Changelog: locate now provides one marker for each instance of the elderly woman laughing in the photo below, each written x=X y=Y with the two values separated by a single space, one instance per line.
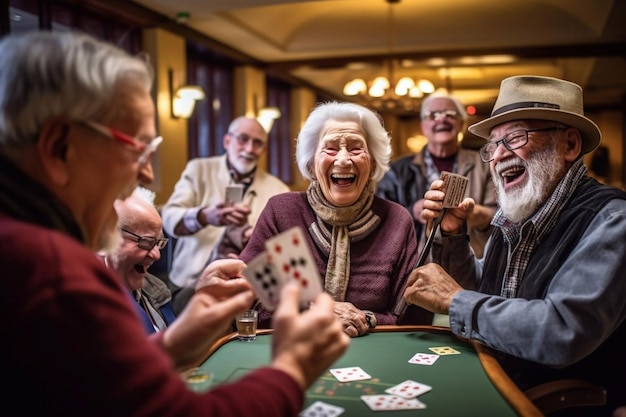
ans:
x=364 y=247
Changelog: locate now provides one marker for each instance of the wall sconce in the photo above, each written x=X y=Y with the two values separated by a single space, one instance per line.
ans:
x=183 y=99
x=266 y=117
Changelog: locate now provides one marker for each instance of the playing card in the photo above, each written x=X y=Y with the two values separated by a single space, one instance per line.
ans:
x=454 y=187
x=352 y=373
x=408 y=389
x=262 y=276
x=444 y=350
x=292 y=258
x=424 y=358
x=234 y=193
x=321 y=409
x=391 y=402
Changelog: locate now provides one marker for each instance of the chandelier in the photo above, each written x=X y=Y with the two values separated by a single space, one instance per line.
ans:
x=383 y=90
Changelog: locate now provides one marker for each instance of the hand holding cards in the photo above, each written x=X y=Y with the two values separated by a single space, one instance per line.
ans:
x=287 y=258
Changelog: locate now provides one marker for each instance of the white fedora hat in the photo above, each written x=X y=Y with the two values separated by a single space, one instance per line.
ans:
x=527 y=97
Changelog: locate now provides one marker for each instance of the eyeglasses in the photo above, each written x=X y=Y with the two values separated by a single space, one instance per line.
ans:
x=441 y=115
x=243 y=139
x=147 y=242
x=146 y=149
x=512 y=141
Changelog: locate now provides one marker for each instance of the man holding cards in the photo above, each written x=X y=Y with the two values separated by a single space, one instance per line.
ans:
x=549 y=293
x=206 y=209
x=443 y=119
x=73 y=343
x=363 y=247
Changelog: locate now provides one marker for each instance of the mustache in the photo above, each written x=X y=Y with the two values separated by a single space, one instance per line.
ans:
x=247 y=155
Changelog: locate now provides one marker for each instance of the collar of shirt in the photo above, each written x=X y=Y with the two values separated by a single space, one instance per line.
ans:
x=523 y=238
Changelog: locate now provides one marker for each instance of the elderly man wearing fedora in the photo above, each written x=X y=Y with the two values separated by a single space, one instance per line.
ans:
x=549 y=296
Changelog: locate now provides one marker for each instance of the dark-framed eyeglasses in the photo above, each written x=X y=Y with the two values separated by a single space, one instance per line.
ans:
x=243 y=139
x=147 y=242
x=512 y=141
x=441 y=115
x=145 y=150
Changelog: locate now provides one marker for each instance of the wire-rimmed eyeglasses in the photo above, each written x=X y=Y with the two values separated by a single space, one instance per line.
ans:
x=145 y=149
x=243 y=139
x=440 y=115
x=512 y=141
x=147 y=242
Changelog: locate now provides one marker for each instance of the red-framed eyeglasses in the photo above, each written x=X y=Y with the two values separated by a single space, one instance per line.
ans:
x=145 y=149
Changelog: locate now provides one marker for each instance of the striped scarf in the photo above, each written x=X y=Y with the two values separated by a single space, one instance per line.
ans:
x=333 y=231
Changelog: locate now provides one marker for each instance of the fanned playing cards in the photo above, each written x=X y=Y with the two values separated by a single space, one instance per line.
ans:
x=287 y=257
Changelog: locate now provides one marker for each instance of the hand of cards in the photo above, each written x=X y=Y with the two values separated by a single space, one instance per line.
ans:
x=287 y=257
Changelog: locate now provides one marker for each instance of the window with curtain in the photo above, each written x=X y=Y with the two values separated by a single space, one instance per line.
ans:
x=281 y=146
x=209 y=122
x=27 y=15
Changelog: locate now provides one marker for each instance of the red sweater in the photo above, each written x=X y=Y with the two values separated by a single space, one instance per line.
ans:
x=73 y=346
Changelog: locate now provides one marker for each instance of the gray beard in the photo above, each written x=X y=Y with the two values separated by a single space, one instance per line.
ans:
x=542 y=172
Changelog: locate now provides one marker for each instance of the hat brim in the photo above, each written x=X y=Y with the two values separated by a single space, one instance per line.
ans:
x=589 y=131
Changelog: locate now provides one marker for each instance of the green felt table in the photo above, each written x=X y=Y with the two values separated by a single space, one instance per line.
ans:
x=467 y=384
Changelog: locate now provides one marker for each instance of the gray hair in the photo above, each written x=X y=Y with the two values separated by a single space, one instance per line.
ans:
x=457 y=103
x=50 y=74
x=378 y=140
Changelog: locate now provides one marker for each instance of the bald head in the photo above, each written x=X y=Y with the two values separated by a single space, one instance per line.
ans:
x=138 y=218
x=137 y=209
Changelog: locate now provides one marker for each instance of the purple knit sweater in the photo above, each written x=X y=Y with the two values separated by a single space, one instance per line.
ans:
x=380 y=264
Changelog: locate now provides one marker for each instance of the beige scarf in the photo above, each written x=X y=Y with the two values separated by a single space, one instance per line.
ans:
x=333 y=231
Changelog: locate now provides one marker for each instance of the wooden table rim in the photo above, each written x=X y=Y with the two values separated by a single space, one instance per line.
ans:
x=507 y=388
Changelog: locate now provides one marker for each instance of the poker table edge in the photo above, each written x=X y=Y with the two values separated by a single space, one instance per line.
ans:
x=500 y=380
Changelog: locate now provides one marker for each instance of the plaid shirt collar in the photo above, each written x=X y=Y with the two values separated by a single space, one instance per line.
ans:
x=524 y=237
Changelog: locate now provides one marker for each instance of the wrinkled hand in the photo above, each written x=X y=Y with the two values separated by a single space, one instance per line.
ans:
x=203 y=321
x=305 y=345
x=455 y=218
x=430 y=287
x=353 y=320
x=221 y=214
x=219 y=278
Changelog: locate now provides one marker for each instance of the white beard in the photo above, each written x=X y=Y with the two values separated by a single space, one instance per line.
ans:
x=542 y=171
x=242 y=166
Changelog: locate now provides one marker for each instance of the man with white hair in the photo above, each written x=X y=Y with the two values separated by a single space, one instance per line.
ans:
x=142 y=240
x=442 y=120
x=77 y=132
x=548 y=295
x=198 y=213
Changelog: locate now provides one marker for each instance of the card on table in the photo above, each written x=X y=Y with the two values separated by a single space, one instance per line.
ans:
x=351 y=373
x=292 y=258
x=266 y=282
x=321 y=409
x=424 y=358
x=391 y=402
x=409 y=389
x=234 y=193
x=444 y=350
x=454 y=187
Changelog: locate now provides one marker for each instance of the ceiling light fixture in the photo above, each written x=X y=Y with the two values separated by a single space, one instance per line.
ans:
x=405 y=91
